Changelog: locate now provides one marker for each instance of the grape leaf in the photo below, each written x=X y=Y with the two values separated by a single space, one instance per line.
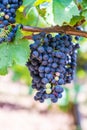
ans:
x=10 y=54
x=32 y=16
x=20 y=18
x=75 y=19
x=34 y=19
x=5 y=57
x=20 y=52
x=28 y=5
x=38 y=2
x=49 y=14
x=64 y=10
x=84 y=4
x=18 y=35
x=28 y=2
x=84 y=13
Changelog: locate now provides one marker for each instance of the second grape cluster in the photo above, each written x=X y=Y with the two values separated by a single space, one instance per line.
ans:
x=8 y=10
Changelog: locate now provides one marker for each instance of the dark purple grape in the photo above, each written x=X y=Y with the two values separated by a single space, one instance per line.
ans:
x=52 y=64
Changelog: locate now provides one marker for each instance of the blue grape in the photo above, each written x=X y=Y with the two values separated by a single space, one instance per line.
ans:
x=49 y=49
x=54 y=100
x=41 y=69
x=58 y=89
x=41 y=50
x=45 y=80
x=47 y=69
x=50 y=77
x=45 y=57
x=54 y=65
x=35 y=54
x=60 y=81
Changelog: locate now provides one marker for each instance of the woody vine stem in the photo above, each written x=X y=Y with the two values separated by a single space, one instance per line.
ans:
x=55 y=29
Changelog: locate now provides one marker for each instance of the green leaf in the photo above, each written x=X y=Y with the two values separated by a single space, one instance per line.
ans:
x=20 y=18
x=32 y=16
x=5 y=57
x=18 y=35
x=84 y=4
x=64 y=10
x=34 y=19
x=84 y=13
x=38 y=2
x=49 y=14
x=10 y=54
x=75 y=20
x=28 y=5
x=20 y=52
x=28 y=2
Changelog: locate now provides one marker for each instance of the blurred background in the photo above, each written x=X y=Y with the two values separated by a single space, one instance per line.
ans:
x=19 y=111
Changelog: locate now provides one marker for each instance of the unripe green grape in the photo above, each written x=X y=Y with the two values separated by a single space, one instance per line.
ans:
x=48 y=90
x=48 y=85
x=2 y=14
x=56 y=78
x=8 y=6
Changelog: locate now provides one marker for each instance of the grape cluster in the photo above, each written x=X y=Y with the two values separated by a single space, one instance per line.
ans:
x=52 y=63
x=7 y=17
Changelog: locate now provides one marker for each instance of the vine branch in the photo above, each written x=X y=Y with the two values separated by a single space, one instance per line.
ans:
x=55 y=29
